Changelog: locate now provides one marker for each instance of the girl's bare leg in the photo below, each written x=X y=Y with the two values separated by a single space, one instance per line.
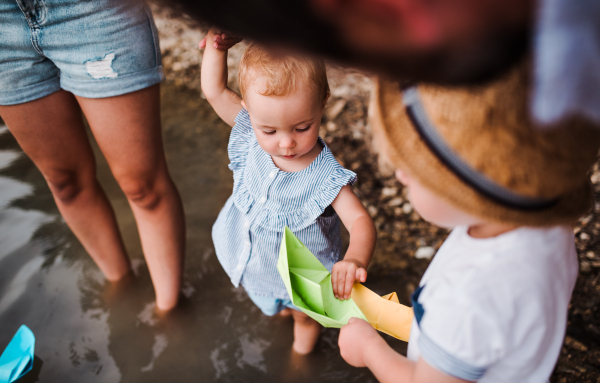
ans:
x=306 y=332
x=128 y=131
x=51 y=132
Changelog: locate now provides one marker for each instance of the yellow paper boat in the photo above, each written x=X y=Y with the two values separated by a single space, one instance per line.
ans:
x=385 y=314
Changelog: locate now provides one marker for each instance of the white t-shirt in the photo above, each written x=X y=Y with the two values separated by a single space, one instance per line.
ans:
x=495 y=309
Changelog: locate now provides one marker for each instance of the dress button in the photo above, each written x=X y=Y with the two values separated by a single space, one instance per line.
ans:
x=273 y=174
x=239 y=267
x=263 y=199
x=246 y=223
x=247 y=243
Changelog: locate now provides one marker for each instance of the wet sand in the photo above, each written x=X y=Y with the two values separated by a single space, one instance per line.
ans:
x=89 y=330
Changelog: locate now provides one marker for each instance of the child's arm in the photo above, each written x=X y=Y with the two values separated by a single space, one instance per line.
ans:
x=213 y=78
x=361 y=346
x=362 y=243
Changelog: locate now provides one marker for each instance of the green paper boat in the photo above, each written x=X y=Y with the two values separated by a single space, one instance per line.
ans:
x=309 y=285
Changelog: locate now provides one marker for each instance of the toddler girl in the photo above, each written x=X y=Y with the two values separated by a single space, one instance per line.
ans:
x=284 y=175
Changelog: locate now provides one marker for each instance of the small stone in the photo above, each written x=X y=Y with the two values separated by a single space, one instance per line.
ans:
x=425 y=252
x=407 y=208
x=572 y=343
x=585 y=267
x=584 y=236
x=395 y=202
x=336 y=109
x=372 y=210
x=403 y=264
x=388 y=192
x=397 y=211
x=357 y=134
x=596 y=177
x=585 y=220
x=331 y=126
x=590 y=255
x=343 y=91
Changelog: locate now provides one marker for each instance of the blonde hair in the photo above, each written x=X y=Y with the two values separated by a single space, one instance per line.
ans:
x=283 y=74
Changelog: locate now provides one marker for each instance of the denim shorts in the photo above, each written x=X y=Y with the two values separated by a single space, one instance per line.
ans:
x=271 y=306
x=94 y=49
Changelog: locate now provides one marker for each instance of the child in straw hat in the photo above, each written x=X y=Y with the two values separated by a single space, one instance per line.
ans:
x=492 y=306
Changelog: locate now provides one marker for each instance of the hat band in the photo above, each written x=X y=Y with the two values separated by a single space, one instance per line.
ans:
x=436 y=143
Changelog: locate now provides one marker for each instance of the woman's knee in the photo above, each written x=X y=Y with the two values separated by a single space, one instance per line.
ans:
x=144 y=192
x=68 y=185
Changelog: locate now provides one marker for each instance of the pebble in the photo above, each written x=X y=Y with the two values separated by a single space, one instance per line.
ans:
x=575 y=344
x=372 y=210
x=388 y=192
x=585 y=267
x=585 y=220
x=584 y=236
x=407 y=208
x=335 y=109
x=425 y=252
x=395 y=202
x=590 y=255
x=357 y=134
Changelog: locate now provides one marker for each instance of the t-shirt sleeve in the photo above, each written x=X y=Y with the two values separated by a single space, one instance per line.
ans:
x=239 y=140
x=460 y=337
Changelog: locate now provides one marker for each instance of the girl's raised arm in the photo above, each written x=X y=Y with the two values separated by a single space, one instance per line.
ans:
x=213 y=78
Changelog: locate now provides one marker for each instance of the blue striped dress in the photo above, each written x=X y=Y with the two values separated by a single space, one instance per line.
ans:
x=265 y=199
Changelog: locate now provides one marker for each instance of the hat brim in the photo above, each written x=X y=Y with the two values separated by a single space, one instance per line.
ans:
x=400 y=142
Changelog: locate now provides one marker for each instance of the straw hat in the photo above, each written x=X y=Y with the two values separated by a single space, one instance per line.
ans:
x=477 y=148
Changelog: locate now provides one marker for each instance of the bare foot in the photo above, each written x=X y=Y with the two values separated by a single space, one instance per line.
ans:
x=306 y=333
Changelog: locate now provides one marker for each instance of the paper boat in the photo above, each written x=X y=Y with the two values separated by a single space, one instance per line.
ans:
x=308 y=283
x=17 y=358
x=385 y=314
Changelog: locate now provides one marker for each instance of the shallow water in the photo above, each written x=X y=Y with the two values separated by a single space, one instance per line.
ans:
x=88 y=330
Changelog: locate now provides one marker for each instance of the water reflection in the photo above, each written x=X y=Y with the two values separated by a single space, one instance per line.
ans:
x=89 y=330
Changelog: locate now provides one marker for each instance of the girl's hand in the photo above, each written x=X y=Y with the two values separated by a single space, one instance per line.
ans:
x=221 y=40
x=343 y=276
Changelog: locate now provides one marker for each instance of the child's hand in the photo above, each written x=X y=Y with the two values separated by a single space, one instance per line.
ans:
x=343 y=276
x=355 y=339
x=221 y=40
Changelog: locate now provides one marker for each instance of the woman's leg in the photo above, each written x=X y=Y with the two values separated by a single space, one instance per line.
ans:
x=128 y=131
x=51 y=132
